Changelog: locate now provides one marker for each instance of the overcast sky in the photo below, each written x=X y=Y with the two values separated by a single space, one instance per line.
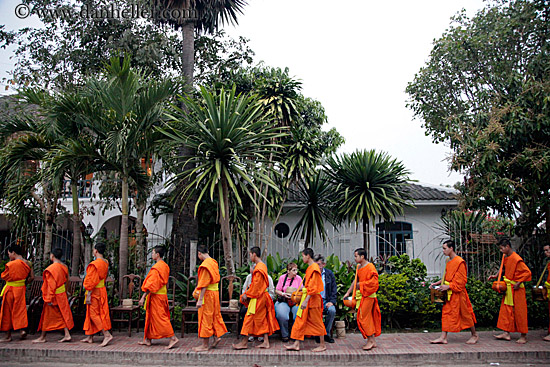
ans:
x=354 y=56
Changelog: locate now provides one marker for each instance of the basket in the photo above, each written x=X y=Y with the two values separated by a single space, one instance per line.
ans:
x=350 y=302
x=296 y=297
x=438 y=296
x=539 y=294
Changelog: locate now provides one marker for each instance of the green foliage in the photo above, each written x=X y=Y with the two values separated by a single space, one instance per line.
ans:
x=484 y=91
x=414 y=269
x=485 y=301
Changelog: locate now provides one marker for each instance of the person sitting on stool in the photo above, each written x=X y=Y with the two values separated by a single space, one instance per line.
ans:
x=329 y=297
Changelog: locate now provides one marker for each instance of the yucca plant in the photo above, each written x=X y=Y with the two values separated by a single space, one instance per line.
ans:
x=368 y=184
x=232 y=140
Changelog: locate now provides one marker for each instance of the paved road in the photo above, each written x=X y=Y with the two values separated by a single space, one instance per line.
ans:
x=503 y=364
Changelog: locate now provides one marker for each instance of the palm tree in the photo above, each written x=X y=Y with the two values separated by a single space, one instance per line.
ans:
x=232 y=140
x=125 y=109
x=316 y=201
x=368 y=184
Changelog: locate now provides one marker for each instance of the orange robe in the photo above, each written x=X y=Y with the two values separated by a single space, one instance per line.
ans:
x=311 y=321
x=97 y=313
x=263 y=320
x=157 y=317
x=13 y=314
x=210 y=317
x=369 y=319
x=458 y=313
x=514 y=318
x=58 y=315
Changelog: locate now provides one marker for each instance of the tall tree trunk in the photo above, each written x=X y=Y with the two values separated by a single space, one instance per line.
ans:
x=548 y=223
x=77 y=235
x=184 y=225
x=50 y=205
x=226 y=230
x=366 y=239
x=123 y=249
x=140 y=240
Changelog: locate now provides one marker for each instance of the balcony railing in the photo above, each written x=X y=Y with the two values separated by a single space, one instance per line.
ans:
x=84 y=189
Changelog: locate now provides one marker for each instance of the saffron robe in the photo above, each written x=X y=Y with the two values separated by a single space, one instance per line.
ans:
x=97 y=313
x=311 y=321
x=157 y=317
x=58 y=315
x=263 y=320
x=458 y=313
x=13 y=314
x=514 y=318
x=210 y=317
x=369 y=319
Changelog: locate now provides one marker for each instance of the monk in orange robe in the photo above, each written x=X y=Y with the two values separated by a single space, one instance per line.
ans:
x=56 y=313
x=369 y=319
x=458 y=313
x=547 y=286
x=155 y=299
x=13 y=314
x=513 y=308
x=97 y=304
x=260 y=316
x=309 y=319
x=210 y=317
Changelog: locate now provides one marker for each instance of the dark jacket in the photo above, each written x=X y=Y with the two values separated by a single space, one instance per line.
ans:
x=330 y=287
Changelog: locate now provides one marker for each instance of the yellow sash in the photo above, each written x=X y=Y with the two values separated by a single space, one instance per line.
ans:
x=509 y=298
x=358 y=297
x=449 y=291
x=101 y=284
x=212 y=287
x=160 y=291
x=304 y=295
x=547 y=285
x=251 y=305
x=61 y=290
x=15 y=283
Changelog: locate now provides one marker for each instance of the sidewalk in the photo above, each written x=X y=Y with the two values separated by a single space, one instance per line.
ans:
x=410 y=348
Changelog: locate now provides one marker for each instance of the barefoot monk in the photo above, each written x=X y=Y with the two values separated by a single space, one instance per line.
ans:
x=458 y=313
x=513 y=308
x=155 y=301
x=56 y=313
x=260 y=316
x=97 y=304
x=13 y=314
x=369 y=319
x=309 y=318
x=210 y=317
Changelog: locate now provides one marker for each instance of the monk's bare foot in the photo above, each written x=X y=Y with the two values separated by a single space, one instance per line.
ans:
x=546 y=338
x=5 y=340
x=522 y=340
x=146 y=342
x=369 y=346
x=65 y=339
x=319 y=349
x=106 y=340
x=87 y=339
x=264 y=345
x=173 y=341
x=39 y=340
x=200 y=349
x=473 y=339
x=216 y=342
x=241 y=345
x=292 y=347
x=503 y=336
x=439 y=341
x=23 y=335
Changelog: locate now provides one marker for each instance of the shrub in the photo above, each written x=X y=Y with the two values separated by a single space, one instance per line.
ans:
x=485 y=302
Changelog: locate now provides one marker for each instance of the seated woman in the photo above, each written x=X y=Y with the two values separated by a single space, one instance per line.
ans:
x=284 y=305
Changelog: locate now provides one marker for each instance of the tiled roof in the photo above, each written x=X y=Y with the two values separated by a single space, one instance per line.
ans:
x=430 y=192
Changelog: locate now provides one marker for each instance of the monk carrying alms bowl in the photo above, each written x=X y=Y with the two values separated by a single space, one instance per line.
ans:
x=538 y=294
x=499 y=286
x=437 y=295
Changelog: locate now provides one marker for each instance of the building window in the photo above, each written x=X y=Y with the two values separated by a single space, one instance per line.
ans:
x=282 y=230
x=391 y=238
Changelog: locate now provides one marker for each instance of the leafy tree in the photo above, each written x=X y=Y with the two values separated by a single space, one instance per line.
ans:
x=484 y=91
x=367 y=185
x=233 y=141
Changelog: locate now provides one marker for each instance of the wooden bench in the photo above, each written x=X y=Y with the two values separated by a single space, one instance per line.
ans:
x=34 y=303
x=191 y=304
x=230 y=286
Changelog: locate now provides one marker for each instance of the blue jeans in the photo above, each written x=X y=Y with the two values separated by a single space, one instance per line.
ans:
x=330 y=313
x=282 y=313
